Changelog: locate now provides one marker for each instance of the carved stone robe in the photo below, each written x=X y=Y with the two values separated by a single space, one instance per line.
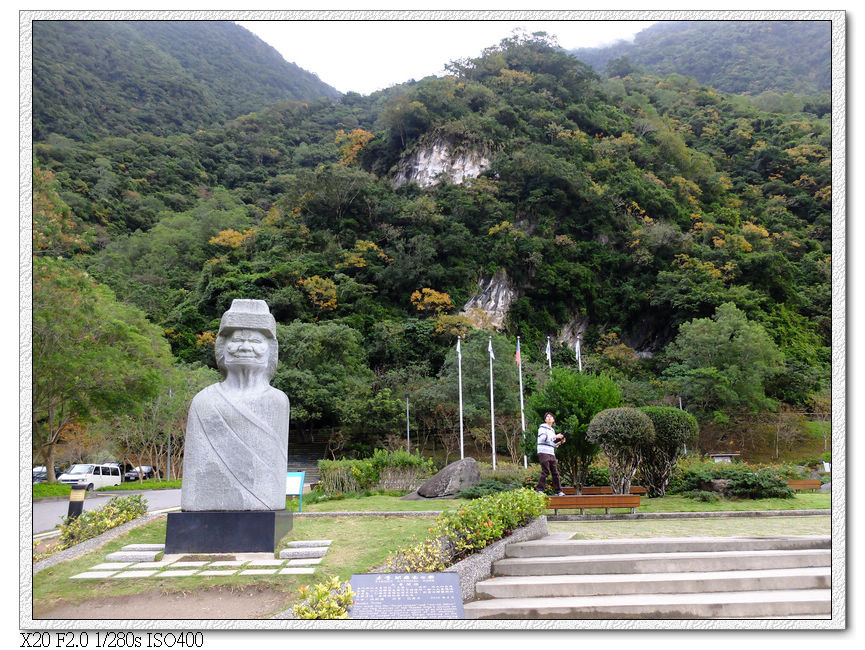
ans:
x=236 y=451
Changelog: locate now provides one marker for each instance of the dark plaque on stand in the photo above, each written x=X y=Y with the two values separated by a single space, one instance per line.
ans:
x=398 y=596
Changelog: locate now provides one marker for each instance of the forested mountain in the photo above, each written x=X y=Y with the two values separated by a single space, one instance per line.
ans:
x=95 y=79
x=622 y=208
x=736 y=56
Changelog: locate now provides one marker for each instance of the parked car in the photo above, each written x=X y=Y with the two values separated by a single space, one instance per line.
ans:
x=92 y=476
x=144 y=471
x=40 y=473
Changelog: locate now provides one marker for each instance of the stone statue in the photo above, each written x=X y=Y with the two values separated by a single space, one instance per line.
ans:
x=236 y=450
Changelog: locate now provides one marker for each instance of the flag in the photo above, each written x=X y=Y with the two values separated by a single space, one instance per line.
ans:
x=490 y=348
x=579 y=355
x=459 y=351
x=549 y=353
x=517 y=357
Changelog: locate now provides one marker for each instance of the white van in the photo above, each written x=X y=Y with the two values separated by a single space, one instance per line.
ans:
x=91 y=476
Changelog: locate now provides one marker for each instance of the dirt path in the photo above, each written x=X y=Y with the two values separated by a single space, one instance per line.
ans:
x=217 y=603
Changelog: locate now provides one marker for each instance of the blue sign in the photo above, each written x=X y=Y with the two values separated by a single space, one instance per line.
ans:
x=397 y=596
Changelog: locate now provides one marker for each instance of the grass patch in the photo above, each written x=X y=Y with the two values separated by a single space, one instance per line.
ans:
x=727 y=527
x=359 y=544
x=673 y=503
x=375 y=503
x=147 y=484
x=386 y=503
x=61 y=489
x=50 y=490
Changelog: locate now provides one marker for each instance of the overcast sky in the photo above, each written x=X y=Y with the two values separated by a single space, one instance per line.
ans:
x=365 y=56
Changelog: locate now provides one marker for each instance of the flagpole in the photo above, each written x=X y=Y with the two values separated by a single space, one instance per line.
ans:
x=492 y=405
x=460 y=373
x=579 y=354
x=522 y=405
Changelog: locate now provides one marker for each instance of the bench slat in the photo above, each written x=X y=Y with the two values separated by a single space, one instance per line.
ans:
x=584 y=501
x=804 y=484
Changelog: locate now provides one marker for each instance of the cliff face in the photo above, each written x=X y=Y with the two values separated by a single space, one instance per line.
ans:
x=490 y=305
x=573 y=328
x=425 y=164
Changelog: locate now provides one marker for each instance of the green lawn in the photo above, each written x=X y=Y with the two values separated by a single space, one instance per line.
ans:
x=672 y=503
x=374 y=503
x=359 y=544
x=147 y=484
x=384 y=503
x=61 y=489
x=724 y=527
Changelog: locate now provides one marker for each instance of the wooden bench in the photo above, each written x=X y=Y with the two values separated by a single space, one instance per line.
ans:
x=605 y=501
x=808 y=484
x=602 y=489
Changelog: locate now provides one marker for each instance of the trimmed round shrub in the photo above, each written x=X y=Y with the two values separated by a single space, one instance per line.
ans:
x=673 y=428
x=621 y=433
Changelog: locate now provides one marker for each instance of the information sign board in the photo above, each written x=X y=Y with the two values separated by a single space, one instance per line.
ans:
x=398 y=596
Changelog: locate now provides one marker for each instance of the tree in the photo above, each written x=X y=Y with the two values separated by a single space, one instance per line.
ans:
x=92 y=355
x=723 y=362
x=673 y=428
x=322 y=368
x=622 y=433
x=55 y=230
x=573 y=398
x=476 y=378
x=155 y=436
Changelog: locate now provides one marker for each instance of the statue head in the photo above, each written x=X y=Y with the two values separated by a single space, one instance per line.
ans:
x=247 y=333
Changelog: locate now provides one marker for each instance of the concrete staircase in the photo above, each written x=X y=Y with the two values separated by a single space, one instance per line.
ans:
x=304 y=457
x=660 y=578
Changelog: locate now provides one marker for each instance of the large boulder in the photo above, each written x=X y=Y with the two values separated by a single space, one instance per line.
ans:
x=457 y=476
x=720 y=485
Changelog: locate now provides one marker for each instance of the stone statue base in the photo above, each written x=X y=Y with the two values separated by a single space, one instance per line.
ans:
x=252 y=531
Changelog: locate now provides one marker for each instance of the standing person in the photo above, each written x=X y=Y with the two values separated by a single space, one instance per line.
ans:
x=548 y=440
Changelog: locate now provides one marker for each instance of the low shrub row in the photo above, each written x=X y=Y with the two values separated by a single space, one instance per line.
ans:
x=91 y=523
x=397 y=470
x=459 y=533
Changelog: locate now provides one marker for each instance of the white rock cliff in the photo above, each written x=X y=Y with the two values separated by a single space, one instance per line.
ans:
x=424 y=165
x=490 y=305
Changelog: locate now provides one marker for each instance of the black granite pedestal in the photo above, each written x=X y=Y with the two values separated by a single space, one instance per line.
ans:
x=256 y=531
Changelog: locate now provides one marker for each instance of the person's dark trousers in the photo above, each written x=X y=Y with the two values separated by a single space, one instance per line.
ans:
x=549 y=466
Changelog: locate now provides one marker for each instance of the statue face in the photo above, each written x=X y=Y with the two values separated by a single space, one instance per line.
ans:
x=247 y=348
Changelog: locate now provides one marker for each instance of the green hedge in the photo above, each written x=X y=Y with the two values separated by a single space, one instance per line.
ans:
x=457 y=534
x=746 y=481
x=354 y=476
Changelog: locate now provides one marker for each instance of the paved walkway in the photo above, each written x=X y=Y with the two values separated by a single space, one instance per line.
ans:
x=139 y=561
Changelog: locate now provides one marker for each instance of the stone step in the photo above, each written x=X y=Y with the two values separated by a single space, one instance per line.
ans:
x=747 y=604
x=555 y=546
x=303 y=552
x=654 y=583
x=132 y=556
x=661 y=562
